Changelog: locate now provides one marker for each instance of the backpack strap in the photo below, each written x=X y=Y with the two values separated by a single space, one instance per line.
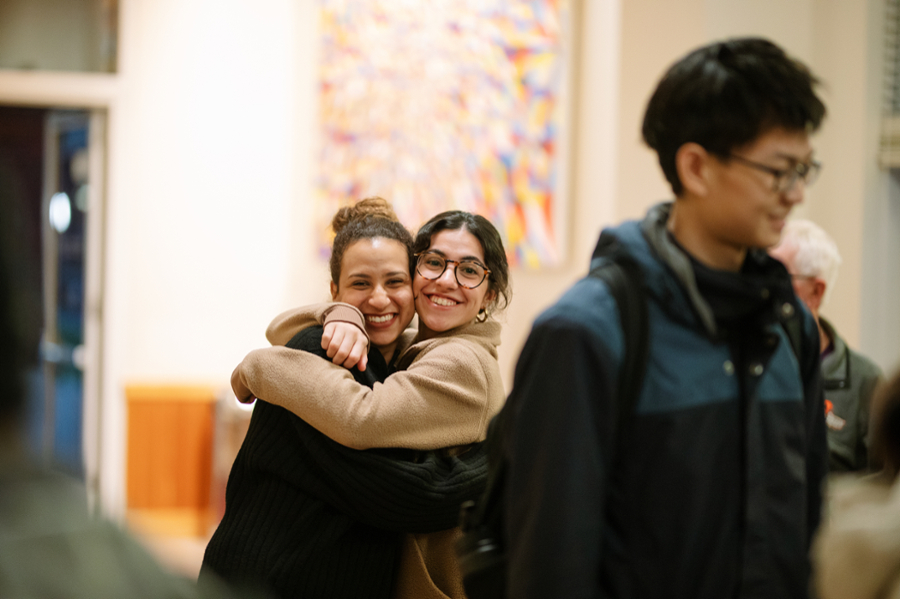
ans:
x=474 y=514
x=623 y=278
x=480 y=549
x=793 y=326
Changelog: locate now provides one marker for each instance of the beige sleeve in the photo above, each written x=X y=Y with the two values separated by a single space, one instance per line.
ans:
x=287 y=324
x=856 y=550
x=441 y=400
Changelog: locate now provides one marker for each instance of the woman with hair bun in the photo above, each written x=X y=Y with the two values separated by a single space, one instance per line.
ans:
x=306 y=516
x=447 y=388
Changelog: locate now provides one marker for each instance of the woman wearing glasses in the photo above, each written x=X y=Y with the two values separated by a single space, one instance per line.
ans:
x=449 y=385
x=377 y=566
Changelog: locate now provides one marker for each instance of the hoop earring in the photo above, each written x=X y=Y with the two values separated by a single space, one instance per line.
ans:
x=481 y=316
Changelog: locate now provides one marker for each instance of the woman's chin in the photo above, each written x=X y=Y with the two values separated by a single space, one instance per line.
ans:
x=441 y=325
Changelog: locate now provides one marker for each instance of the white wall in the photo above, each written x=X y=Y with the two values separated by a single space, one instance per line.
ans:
x=209 y=101
x=655 y=33
x=202 y=180
x=879 y=315
x=880 y=251
x=838 y=202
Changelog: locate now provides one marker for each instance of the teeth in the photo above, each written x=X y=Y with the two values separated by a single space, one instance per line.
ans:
x=379 y=319
x=442 y=301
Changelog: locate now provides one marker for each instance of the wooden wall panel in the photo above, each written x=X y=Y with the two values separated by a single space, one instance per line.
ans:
x=170 y=446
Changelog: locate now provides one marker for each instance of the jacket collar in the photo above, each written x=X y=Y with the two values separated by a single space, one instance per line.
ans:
x=654 y=229
x=836 y=365
x=760 y=274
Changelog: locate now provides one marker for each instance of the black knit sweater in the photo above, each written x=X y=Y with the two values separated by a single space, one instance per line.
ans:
x=308 y=517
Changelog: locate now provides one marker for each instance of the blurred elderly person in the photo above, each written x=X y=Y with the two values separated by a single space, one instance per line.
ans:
x=857 y=552
x=812 y=259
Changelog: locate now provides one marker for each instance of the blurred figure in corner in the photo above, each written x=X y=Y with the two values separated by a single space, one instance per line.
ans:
x=857 y=553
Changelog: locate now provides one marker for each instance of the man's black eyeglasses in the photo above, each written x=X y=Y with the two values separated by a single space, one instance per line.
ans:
x=785 y=178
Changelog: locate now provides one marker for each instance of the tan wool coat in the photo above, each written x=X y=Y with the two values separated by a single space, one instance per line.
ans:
x=447 y=390
x=856 y=554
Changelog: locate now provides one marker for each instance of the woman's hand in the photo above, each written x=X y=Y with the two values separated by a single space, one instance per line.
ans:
x=346 y=345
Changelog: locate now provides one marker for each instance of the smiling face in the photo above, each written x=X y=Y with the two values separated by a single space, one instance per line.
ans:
x=730 y=205
x=442 y=304
x=375 y=278
x=745 y=211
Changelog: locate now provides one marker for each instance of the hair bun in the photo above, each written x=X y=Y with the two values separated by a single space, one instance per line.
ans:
x=374 y=207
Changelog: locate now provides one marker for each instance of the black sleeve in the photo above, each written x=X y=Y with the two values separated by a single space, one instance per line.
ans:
x=382 y=491
x=556 y=442
x=394 y=494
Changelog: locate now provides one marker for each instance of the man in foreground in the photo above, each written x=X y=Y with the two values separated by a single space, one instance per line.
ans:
x=714 y=488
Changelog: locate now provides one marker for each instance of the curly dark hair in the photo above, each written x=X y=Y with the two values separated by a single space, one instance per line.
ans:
x=366 y=219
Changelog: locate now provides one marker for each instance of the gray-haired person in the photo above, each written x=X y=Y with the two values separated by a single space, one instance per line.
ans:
x=812 y=259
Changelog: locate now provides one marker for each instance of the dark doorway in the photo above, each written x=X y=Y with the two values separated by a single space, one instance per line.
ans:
x=43 y=159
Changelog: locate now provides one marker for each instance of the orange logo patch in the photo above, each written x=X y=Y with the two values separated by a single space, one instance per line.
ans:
x=832 y=420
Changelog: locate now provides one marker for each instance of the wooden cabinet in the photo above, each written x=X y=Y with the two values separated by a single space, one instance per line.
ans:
x=170 y=457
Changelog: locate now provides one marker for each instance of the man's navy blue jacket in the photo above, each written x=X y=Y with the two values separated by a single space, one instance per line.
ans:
x=718 y=487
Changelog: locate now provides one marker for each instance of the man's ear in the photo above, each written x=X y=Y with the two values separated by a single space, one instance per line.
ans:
x=334 y=292
x=691 y=162
x=818 y=294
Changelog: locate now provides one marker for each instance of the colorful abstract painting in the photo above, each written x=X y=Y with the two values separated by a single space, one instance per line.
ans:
x=447 y=104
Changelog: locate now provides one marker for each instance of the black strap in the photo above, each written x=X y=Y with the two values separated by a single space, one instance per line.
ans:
x=793 y=326
x=474 y=514
x=623 y=278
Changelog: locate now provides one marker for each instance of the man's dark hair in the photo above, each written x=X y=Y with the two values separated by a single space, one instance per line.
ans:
x=725 y=95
